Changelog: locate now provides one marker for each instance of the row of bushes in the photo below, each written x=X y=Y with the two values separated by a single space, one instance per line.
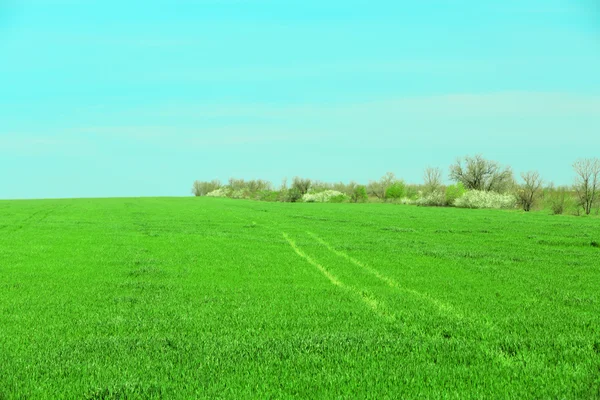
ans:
x=556 y=200
x=480 y=183
x=454 y=195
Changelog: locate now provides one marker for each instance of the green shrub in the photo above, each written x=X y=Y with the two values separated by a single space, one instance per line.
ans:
x=268 y=195
x=359 y=194
x=560 y=200
x=454 y=192
x=411 y=192
x=293 y=195
x=340 y=198
x=395 y=191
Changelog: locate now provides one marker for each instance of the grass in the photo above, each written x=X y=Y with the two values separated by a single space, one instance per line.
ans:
x=196 y=297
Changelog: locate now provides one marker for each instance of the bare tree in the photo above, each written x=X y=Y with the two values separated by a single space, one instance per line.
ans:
x=378 y=188
x=530 y=190
x=477 y=173
x=319 y=186
x=256 y=185
x=301 y=184
x=388 y=179
x=203 y=188
x=347 y=189
x=433 y=180
x=197 y=188
x=283 y=190
x=237 y=184
x=587 y=182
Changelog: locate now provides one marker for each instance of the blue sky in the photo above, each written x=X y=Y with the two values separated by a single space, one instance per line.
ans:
x=113 y=98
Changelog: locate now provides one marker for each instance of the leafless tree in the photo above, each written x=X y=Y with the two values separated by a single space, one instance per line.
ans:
x=587 y=182
x=301 y=184
x=203 y=188
x=433 y=180
x=256 y=185
x=477 y=173
x=346 y=188
x=319 y=186
x=237 y=184
x=378 y=188
x=530 y=190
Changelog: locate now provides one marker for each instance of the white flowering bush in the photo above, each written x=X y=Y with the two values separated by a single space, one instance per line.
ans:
x=327 y=196
x=435 y=199
x=222 y=192
x=238 y=194
x=481 y=199
x=407 y=200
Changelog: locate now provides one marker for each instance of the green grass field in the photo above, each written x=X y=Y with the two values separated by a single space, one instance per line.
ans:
x=196 y=297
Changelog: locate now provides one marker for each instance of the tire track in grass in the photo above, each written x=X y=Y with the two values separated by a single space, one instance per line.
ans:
x=368 y=299
x=498 y=356
x=30 y=219
x=443 y=307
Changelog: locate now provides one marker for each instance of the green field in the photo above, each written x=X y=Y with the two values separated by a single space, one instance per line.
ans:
x=197 y=297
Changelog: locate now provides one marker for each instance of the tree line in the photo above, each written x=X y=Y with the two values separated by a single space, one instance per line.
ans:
x=476 y=180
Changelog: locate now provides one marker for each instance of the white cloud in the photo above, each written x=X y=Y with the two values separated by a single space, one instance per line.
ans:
x=515 y=115
x=516 y=104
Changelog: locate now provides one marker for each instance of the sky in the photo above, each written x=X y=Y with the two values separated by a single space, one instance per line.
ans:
x=140 y=98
